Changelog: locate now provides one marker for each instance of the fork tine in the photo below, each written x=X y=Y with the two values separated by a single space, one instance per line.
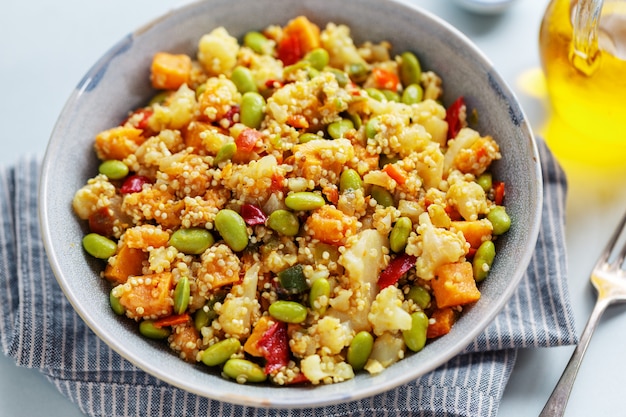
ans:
x=604 y=257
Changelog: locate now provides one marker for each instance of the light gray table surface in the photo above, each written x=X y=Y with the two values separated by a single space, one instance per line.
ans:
x=46 y=48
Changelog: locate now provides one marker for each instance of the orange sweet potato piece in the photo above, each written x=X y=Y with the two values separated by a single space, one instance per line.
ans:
x=307 y=33
x=127 y=262
x=142 y=237
x=330 y=225
x=118 y=142
x=475 y=232
x=148 y=296
x=170 y=71
x=454 y=285
x=441 y=322
x=259 y=330
x=185 y=339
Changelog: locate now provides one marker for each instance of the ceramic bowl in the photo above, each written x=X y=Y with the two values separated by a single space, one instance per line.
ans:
x=118 y=82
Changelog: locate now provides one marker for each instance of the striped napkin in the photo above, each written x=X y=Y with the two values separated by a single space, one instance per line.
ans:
x=39 y=329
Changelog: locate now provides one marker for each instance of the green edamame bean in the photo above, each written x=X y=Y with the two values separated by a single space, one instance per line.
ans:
x=415 y=337
x=499 y=219
x=113 y=169
x=360 y=350
x=232 y=227
x=159 y=98
x=391 y=95
x=243 y=371
x=304 y=200
x=342 y=78
x=483 y=258
x=413 y=94
x=338 y=129
x=308 y=137
x=257 y=42
x=181 y=295
x=293 y=280
x=375 y=93
x=148 y=329
x=485 y=181
x=399 y=236
x=357 y=72
x=318 y=58
x=226 y=152
x=371 y=127
x=220 y=352
x=382 y=196
x=284 y=222
x=356 y=120
x=243 y=79
x=202 y=318
x=385 y=159
x=116 y=306
x=319 y=295
x=410 y=69
x=252 y=109
x=288 y=311
x=192 y=241
x=99 y=246
x=420 y=296
x=350 y=180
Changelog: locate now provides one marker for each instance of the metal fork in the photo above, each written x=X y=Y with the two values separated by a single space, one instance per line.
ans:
x=609 y=279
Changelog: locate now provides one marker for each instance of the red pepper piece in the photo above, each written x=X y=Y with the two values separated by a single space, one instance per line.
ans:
x=247 y=139
x=498 y=192
x=275 y=347
x=101 y=221
x=172 y=320
x=396 y=268
x=289 y=50
x=385 y=79
x=452 y=117
x=229 y=116
x=142 y=122
x=134 y=184
x=252 y=214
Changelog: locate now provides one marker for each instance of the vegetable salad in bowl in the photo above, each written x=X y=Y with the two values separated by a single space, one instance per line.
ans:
x=292 y=207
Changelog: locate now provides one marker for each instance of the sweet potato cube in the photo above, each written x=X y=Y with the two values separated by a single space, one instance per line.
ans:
x=170 y=71
x=145 y=236
x=127 y=262
x=148 y=296
x=258 y=331
x=475 y=232
x=307 y=33
x=118 y=142
x=454 y=285
x=441 y=322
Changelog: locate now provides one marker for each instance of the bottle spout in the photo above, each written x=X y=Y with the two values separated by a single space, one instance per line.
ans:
x=584 y=51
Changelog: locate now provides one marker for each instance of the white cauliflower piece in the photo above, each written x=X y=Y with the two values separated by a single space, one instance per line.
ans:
x=430 y=165
x=333 y=336
x=325 y=369
x=468 y=198
x=217 y=52
x=340 y=46
x=464 y=140
x=97 y=193
x=387 y=314
x=432 y=116
x=387 y=350
x=240 y=306
x=177 y=111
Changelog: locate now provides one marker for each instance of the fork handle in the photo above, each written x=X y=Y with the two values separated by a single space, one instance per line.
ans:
x=556 y=404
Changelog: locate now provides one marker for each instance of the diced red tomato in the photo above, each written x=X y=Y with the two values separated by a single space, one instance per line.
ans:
x=230 y=115
x=275 y=347
x=134 y=184
x=498 y=192
x=247 y=139
x=396 y=268
x=453 y=118
x=289 y=50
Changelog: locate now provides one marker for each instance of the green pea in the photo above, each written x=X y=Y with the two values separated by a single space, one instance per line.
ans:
x=148 y=329
x=220 y=352
x=382 y=196
x=499 y=219
x=360 y=350
x=257 y=42
x=413 y=94
x=350 y=180
x=483 y=258
x=371 y=127
x=243 y=79
x=113 y=169
x=288 y=311
x=116 y=306
x=226 y=152
x=319 y=295
x=99 y=246
x=376 y=94
x=399 y=236
x=391 y=95
x=318 y=58
x=357 y=72
x=338 y=129
x=410 y=69
x=232 y=227
x=181 y=295
x=243 y=371
x=415 y=337
x=284 y=222
x=308 y=137
x=342 y=78
x=420 y=296
x=252 y=109
x=485 y=181
x=192 y=241
x=304 y=200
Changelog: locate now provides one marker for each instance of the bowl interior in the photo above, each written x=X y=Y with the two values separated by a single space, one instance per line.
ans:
x=119 y=82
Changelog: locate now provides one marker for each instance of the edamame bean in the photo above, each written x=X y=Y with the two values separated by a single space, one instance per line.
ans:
x=485 y=181
x=113 y=169
x=356 y=120
x=304 y=200
x=410 y=69
x=375 y=93
x=181 y=295
x=415 y=337
x=357 y=72
x=371 y=127
x=243 y=79
x=288 y=311
x=252 y=109
x=319 y=295
x=293 y=280
x=99 y=246
x=318 y=58
x=192 y=241
x=226 y=152
x=413 y=94
x=382 y=196
x=499 y=219
x=342 y=78
x=399 y=236
x=257 y=42
x=116 y=306
x=202 y=318
x=338 y=129
x=284 y=222
x=360 y=350
x=232 y=227
x=243 y=371
x=148 y=329
x=350 y=180
x=391 y=95
x=220 y=352
x=308 y=137
x=483 y=258
x=420 y=296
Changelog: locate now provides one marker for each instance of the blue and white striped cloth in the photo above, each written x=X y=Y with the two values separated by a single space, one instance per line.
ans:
x=39 y=329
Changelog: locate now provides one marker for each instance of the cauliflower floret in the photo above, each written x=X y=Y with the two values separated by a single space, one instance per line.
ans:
x=432 y=116
x=217 y=52
x=429 y=164
x=333 y=336
x=387 y=314
x=325 y=369
x=434 y=247
x=252 y=182
x=340 y=46
x=97 y=193
x=387 y=350
x=176 y=112
x=468 y=198
x=218 y=97
x=396 y=136
x=240 y=306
